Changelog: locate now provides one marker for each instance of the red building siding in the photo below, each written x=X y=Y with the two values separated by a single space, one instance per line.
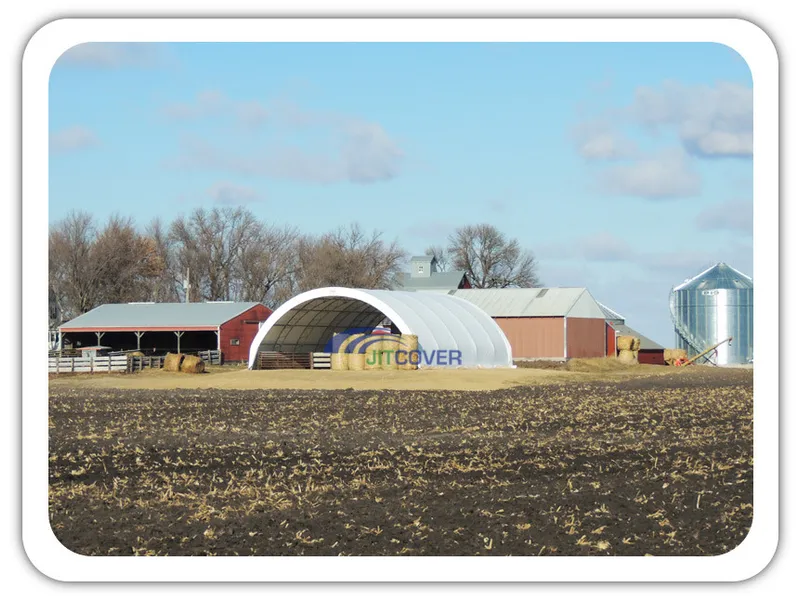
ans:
x=651 y=357
x=243 y=328
x=610 y=340
x=533 y=337
x=585 y=338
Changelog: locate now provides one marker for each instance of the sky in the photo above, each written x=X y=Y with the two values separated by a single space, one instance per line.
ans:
x=625 y=168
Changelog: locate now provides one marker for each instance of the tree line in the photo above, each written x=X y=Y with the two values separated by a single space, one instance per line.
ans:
x=229 y=254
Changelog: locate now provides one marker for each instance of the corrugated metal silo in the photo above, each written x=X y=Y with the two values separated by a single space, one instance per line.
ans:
x=711 y=307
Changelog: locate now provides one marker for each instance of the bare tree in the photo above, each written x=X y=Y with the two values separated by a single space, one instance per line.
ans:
x=209 y=244
x=348 y=257
x=126 y=262
x=441 y=256
x=89 y=267
x=265 y=267
x=167 y=285
x=490 y=259
x=73 y=273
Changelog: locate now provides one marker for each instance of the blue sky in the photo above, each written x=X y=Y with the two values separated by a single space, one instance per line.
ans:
x=624 y=168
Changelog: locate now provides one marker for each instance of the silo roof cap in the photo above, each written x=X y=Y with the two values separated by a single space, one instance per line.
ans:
x=720 y=276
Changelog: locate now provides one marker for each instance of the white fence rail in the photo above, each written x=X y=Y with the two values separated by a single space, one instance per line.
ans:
x=96 y=364
x=320 y=360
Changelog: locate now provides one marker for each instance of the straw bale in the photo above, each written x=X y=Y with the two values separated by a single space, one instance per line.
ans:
x=374 y=356
x=172 y=361
x=192 y=364
x=357 y=362
x=627 y=357
x=409 y=343
x=624 y=342
x=390 y=346
x=345 y=345
x=636 y=344
x=339 y=361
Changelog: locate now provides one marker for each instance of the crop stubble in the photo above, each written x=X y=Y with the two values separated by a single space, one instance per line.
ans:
x=651 y=465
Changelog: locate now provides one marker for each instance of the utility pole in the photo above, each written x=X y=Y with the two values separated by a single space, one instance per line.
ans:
x=187 y=285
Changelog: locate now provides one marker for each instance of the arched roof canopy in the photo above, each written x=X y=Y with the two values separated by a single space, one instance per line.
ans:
x=307 y=322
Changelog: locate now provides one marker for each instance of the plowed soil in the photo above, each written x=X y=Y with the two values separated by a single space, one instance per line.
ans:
x=653 y=464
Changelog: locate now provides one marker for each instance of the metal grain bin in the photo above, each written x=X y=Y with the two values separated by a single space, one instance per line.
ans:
x=710 y=307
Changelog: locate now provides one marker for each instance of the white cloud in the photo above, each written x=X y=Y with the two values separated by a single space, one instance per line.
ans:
x=72 y=138
x=349 y=148
x=734 y=215
x=228 y=193
x=711 y=121
x=598 y=140
x=115 y=55
x=667 y=175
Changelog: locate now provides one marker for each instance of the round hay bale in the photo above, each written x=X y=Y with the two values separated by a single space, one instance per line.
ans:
x=339 y=361
x=172 y=362
x=349 y=340
x=624 y=342
x=667 y=355
x=357 y=362
x=137 y=353
x=374 y=356
x=409 y=344
x=635 y=353
x=679 y=353
x=627 y=357
x=192 y=364
x=390 y=346
x=636 y=344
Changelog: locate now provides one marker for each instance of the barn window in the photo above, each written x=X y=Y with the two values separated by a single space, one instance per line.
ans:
x=234 y=341
x=420 y=269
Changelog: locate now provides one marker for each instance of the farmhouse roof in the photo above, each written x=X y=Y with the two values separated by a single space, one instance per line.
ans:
x=168 y=315
x=534 y=302
x=448 y=280
x=646 y=343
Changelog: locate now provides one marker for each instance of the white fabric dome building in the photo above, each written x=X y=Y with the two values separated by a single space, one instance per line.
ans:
x=308 y=322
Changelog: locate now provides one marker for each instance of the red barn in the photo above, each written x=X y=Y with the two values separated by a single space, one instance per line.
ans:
x=544 y=323
x=169 y=327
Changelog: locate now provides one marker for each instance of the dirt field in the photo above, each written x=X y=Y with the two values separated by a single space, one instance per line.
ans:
x=649 y=461
x=239 y=378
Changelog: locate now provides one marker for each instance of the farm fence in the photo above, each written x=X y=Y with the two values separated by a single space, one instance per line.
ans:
x=89 y=364
x=211 y=357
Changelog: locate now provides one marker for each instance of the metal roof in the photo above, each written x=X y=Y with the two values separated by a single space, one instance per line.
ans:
x=449 y=280
x=159 y=315
x=646 y=343
x=720 y=276
x=425 y=258
x=533 y=302
x=307 y=322
x=610 y=314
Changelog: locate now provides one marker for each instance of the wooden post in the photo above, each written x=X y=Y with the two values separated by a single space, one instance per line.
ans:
x=180 y=335
x=91 y=364
x=138 y=339
x=73 y=363
x=99 y=335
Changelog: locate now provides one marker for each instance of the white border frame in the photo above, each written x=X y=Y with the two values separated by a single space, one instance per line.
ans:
x=55 y=561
